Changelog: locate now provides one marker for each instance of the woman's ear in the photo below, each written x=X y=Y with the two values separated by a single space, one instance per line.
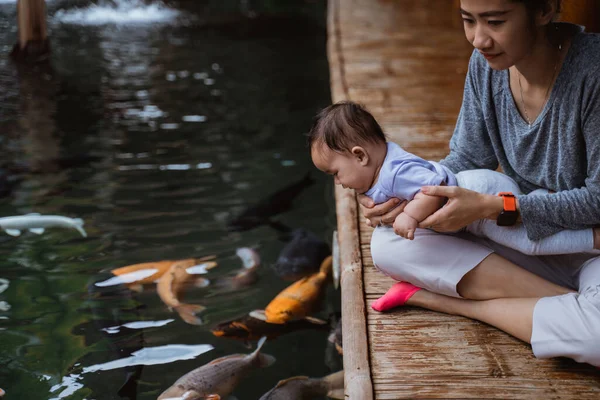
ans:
x=547 y=14
x=361 y=155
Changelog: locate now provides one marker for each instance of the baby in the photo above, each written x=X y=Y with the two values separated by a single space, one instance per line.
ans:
x=348 y=143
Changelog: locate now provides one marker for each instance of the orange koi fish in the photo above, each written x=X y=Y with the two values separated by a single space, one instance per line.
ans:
x=299 y=299
x=171 y=284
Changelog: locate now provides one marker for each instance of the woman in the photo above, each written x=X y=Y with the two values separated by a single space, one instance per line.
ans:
x=531 y=105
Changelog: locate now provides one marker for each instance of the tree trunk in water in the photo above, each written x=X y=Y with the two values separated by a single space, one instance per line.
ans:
x=33 y=42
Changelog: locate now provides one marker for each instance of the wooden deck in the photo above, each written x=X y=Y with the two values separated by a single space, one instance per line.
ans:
x=407 y=63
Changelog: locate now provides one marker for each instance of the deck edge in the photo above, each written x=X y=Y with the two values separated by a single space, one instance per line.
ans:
x=357 y=372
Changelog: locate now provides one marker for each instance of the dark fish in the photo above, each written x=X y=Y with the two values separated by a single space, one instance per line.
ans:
x=218 y=377
x=302 y=256
x=276 y=203
x=305 y=388
x=253 y=326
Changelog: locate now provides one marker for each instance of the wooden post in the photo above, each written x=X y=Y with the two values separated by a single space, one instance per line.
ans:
x=33 y=37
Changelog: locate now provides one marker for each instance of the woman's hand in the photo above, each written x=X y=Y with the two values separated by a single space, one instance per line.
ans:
x=380 y=214
x=463 y=207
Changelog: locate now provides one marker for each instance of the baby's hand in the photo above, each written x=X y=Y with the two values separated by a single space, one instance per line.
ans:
x=405 y=226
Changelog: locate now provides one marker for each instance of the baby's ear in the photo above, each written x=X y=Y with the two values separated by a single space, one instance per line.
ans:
x=361 y=155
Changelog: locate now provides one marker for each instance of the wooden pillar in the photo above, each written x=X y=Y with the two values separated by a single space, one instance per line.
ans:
x=33 y=42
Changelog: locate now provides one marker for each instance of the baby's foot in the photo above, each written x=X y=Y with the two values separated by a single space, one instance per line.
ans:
x=396 y=296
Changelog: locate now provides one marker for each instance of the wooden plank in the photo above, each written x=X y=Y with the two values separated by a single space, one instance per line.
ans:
x=406 y=60
x=357 y=376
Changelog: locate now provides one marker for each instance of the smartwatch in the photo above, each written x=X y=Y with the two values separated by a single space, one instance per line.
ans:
x=509 y=214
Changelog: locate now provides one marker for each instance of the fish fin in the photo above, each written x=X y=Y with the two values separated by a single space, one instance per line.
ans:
x=260 y=344
x=205 y=258
x=201 y=282
x=258 y=314
x=188 y=312
x=13 y=232
x=247 y=344
x=136 y=287
x=212 y=397
x=336 y=267
x=191 y=395
x=335 y=382
x=37 y=231
x=336 y=394
x=266 y=360
x=331 y=338
x=81 y=230
x=326 y=266
x=201 y=268
x=316 y=321
x=293 y=378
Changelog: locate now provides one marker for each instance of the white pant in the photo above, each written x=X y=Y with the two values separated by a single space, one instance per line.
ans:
x=567 y=325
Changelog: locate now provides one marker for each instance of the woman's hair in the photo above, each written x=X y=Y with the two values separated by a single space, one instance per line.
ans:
x=343 y=125
x=539 y=5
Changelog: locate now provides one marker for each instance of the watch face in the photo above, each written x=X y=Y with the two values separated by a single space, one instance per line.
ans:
x=507 y=218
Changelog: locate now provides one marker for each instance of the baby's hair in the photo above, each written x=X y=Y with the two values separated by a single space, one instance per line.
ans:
x=343 y=125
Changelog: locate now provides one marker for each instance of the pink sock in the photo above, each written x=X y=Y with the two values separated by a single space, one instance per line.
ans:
x=396 y=296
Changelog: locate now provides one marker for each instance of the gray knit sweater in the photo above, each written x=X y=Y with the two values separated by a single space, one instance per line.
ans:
x=561 y=150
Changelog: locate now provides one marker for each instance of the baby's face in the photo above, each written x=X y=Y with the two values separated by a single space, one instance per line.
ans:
x=346 y=168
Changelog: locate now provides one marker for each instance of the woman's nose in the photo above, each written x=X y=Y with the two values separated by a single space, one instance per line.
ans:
x=481 y=39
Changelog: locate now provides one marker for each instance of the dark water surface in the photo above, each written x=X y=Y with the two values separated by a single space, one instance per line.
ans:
x=155 y=130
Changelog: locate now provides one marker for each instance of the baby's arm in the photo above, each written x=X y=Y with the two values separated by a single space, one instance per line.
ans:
x=419 y=208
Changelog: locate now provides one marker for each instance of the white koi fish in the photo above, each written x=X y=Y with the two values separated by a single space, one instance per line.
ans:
x=37 y=223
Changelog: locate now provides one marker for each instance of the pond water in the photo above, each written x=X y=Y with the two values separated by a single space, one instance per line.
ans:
x=155 y=123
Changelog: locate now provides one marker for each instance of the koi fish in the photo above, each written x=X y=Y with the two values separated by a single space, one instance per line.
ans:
x=37 y=223
x=219 y=377
x=299 y=299
x=304 y=388
x=171 y=284
x=137 y=275
x=250 y=263
x=301 y=256
x=276 y=203
x=2 y=392
x=253 y=326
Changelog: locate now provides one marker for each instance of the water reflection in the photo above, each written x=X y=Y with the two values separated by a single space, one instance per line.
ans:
x=156 y=134
x=148 y=356
x=138 y=325
x=118 y=12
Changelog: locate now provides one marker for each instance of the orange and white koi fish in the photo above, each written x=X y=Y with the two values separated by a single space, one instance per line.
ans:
x=136 y=275
x=219 y=377
x=171 y=284
x=299 y=299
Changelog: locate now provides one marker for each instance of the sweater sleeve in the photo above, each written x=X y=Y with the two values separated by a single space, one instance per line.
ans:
x=470 y=145
x=578 y=208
